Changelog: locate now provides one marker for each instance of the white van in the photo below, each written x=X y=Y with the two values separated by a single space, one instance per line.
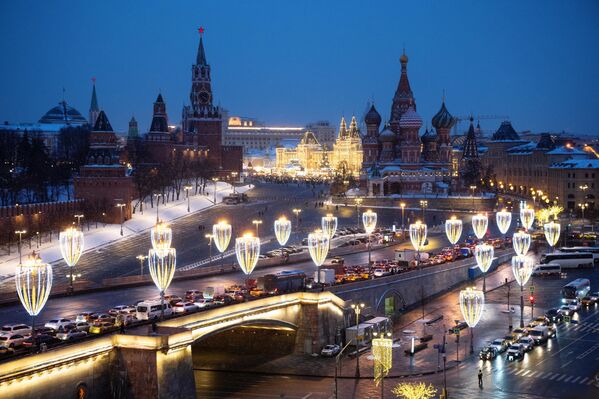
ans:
x=547 y=270
x=148 y=310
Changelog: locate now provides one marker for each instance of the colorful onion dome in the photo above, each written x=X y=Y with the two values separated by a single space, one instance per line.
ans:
x=443 y=119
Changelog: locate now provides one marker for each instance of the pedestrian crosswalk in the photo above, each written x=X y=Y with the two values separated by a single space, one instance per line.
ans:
x=584 y=327
x=548 y=376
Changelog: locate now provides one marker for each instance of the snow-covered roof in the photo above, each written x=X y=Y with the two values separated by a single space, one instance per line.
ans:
x=577 y=164
x=563 y=150
x=523 y=148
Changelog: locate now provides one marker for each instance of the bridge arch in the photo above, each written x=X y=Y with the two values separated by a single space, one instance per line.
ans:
x=250 y=323
x=397 y=299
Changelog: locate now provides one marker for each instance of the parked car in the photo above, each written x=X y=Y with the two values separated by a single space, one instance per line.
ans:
x=86 y=316
x=515 y=351
x=11 y=340
x=594 y=296
x=121 y=309
x=500 y=344
x=57 y=324
x=22 y=329
x=488 y=353
x=71 y=334
x=185 y=307
x=381 y=272
x=554 y=316
x=100 y=327
x=330 y=350
x=173 y=299
x=190 y=294
x=82 y=326
x=527 y=343
x=518 y=333
x=103 y=317
x=39 y=339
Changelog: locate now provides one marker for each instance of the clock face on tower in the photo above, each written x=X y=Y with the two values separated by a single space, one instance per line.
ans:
x=204 y=98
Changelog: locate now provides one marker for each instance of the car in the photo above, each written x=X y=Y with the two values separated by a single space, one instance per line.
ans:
x=103 y=317
x=85 y=316
x=11 y=340
x=594 y=296
x=566 y=310
x=509 y=339
x=587 y=301
x=527 y=343
x=172 y=299
x=554 y=316
x=190 y=294
x=381 y=272
x=500 y=344
x=185 y=307
x=22 y=329
x=71 y=334
x=575 y=306
x=518 y=333
x=82 y=326
x=488 y=353
x=330 y=350
x=121 y=309
x=45 y=330
x=515 y=351
x=100 y=327
x=39 y=339
x=57 y=324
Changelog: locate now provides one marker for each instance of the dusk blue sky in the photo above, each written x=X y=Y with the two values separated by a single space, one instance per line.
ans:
x=295 y=62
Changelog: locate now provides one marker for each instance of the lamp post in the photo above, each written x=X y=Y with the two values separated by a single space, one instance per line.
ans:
x=582 y=208
x=141 y=259
x=403 y=208
x=357 y=310
x=472 y=188
x=221 y=234
x=418 y=233
x=215 y=180
x=257 y=223
x=484 y=257
x=71 y=247
x=521 y=242
x=187 y=188
x=247 y=250
x=20 y=233
x=209 y=237
x=296 y=212
x=423 y=206
x=120 y=205
x=382 y=351
x=78 y=217
x=358 y=203
x=472 y=303
x=369 y=219
x=234 y=176
x=157 y=196
x=318 y=246
x=162 y=264
x=522 y=269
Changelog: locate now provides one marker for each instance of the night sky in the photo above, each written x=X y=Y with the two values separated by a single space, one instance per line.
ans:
x=302 y=61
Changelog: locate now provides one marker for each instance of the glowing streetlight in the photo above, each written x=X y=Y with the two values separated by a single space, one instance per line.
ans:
x=357 y=310
x=318 y=246
x=472 y=304
x=162 y=264
x=522 y=268
x=209 y=237
x=484 y=254
x=161 y=236
x=234 y=176
x=247 y=249
x=296 y=212
x=418 y=233
x=369 y=219
x=20 y=233
x=453 y=229
x=221 y=234
x=358 y=203
x=71 y=247
x=215 y=180
x=527 y=217
x=382 y=351
x=403 y=208
x=480 y=223
x=257 y=223
x=552 y=232
x=33 y=283
x=121 y=205
x=141 y=259
x=187 y=188
x=521 y=242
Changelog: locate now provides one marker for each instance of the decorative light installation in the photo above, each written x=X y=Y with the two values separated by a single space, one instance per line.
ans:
x=161 y=236
x=33 y=282
x=484 y=254
x=472 y=304
x=247 y=249
x=552 y=231
x=318 y=246
x=329 y=225
x=521 y=242
x=480 y=223
x=453 y=229
x=369 y=219
x=282 y=230
x=527 y=217
x=382 y=351
x=418 y=232
x=221 y=234
x=162 y=264
x=504 y=220
x=71 y=247
x=522 y=267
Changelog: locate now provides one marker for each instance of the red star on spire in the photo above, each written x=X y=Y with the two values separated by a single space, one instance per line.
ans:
x=94 y=79
x=201 y=30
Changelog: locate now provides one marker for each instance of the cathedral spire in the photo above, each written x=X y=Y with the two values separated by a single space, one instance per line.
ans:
x=94 y=109
x=342 y=128
x=201 y=57
x=470 y=145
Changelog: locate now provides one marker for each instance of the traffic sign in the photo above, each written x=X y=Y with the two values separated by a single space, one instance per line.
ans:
x=567 y=319
x=456 y=331
x=532 y=288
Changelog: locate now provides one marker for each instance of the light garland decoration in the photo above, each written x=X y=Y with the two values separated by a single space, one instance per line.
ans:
x=161 y=236
x=33 y=283
x=480 y=223
x=369 y=219
x=552 y=232
x=522 y=268
x=453 y=230
x=282 y=227
x=247 y=250
x=418 y=233
x=521 y=242
x=221 y=233
x=484 y=254
x=472 y=304
x=382 y=351
x=71 y=245
x=527 y=217
x=162 y=264
x=504 y=220
x=318 y=246
x=329 y=225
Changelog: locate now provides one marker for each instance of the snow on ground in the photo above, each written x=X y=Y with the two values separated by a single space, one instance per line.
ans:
x=103 y=235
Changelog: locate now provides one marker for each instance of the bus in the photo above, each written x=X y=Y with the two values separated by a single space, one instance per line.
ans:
x=593 y=250
x=546 y=270
x=569 y=260
x=575 y=290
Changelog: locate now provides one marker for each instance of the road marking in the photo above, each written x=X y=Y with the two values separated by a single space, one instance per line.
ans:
x=589 y=382
x=532 y=374
x=540 y=375
x=561 y=378
x=566 y=364
x=552 y=378
x=583 y=380
x=575 y=379
x=307 y=396
x=524 y=374
x=568 y=379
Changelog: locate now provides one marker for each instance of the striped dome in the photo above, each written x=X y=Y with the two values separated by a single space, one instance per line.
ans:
x=387 y=135
x=411 y=119
x=443 y=119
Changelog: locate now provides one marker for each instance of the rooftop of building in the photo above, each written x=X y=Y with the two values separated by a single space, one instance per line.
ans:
x=577 y=164
x=63 y=114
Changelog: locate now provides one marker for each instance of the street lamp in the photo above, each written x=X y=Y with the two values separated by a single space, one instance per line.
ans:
x=423 y=206
x=480 y=223
x=296 y=212
x=318 y=246
x=247 y=250
x=522 y=268
x=472 y=188
x=582 y=208
x=215 y=180
x=472 y=303
x=141 y=259
x=484 y=257
x=33 y=283
x=521 y=242
x=161 y=236
x=20 y=233
x=209 y=237
x=78 y=217
x=187 y=188
x=257 y=223
x=162 y=264
x=358 y=203
x=221 y=234
x=234 y=175
x=158 y=196
x=121 y=205
x=71 y=247
x=403 y=208
x=453 y=230
x=418 y=233
x=369 y=219
x=552 y=232
x=357 y=310
x=382 y=351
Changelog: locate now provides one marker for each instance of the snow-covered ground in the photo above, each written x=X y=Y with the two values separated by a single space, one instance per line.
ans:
x=94 y=238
